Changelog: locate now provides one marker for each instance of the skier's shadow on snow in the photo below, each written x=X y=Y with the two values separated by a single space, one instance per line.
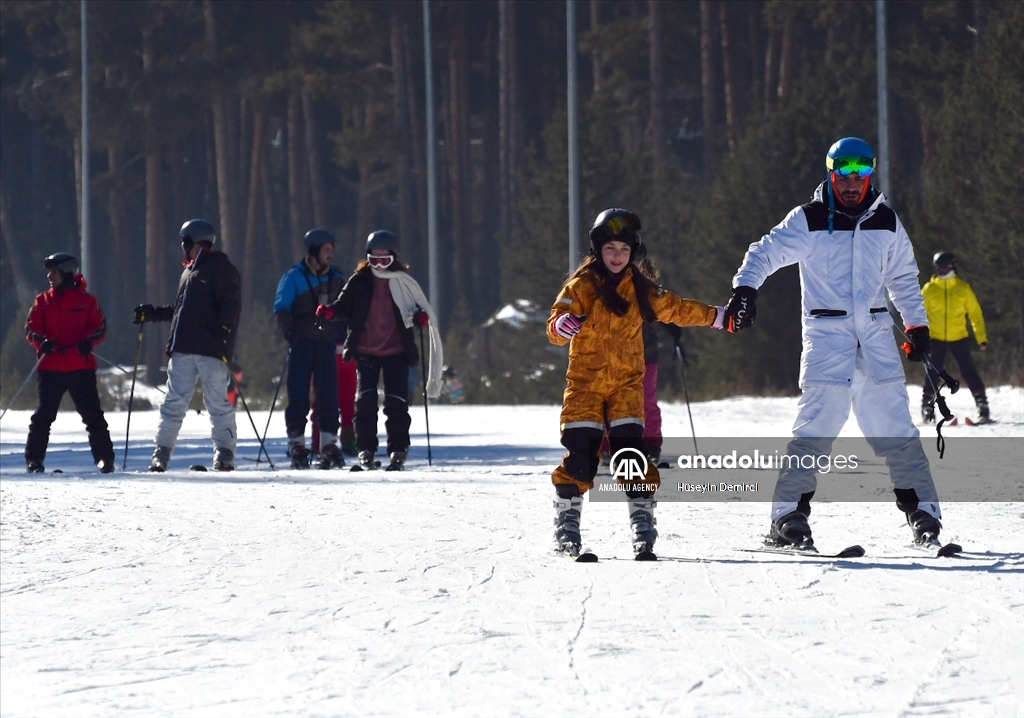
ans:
x=1003 y=563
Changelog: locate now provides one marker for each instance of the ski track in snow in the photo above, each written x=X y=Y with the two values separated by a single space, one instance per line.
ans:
x=435 y=591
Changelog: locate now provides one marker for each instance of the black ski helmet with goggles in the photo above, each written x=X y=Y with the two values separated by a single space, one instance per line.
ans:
x=944 y=262
x=382 y=239
x=197 y=230
x=617 y=225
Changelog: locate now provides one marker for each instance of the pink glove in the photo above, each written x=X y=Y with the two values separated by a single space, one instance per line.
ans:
x=324 y=312
x=568 y=325
x=719 y=322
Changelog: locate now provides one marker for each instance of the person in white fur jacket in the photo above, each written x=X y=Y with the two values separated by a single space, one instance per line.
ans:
x=853 y=253
x=381 y=303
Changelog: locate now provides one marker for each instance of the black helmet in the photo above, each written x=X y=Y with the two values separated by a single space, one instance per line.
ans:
x=618 y=225
x=944 y=260
x=197 y=230
x=315 y=239
x=382 y=239
x=63 y=262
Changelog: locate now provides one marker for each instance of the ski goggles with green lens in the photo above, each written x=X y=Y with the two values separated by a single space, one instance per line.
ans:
x=846 y=166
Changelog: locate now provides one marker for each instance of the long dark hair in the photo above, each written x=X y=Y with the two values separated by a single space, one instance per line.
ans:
x=645 y=283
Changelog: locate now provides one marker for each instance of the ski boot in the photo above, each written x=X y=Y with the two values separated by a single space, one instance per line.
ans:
x=927 y=408
x=330 y=457
x=642 y=521
x=106 y=465
x=367 y=461
x=161 y=459
x=348 y=441
x=397 y=461
x=983 y=411
x=791 y=530
x=567 y=525
x=299 y=456
x=34 y=467
x=223 y=460
x=926 y=527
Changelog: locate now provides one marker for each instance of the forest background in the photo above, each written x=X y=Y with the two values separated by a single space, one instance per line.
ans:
x=709 y=119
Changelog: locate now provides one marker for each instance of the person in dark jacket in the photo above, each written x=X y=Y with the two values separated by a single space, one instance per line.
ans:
x=204 y=326
x=63 y=326
x=312 y=349
x=381 y=302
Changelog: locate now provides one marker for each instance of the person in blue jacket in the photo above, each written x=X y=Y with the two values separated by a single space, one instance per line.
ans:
x=311 y=350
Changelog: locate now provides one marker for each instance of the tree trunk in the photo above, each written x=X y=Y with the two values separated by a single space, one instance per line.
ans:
x=488 y=251
x=509 y=118
x=709 y=86
x=656 y=66
x=406 y=211
x=242 y=149
x=771 y=61
x=259 y=131
x=22 y=286
x=117 y=211
x=595 y=53
x=728 y=76
x=273 y=231
x=155 y=246
x=294 y=122
x=367 y=175
x=754 y=50
x=417 y=133
x=787 y=58
x=313 y=162
x=222 y=136
x=457 y=145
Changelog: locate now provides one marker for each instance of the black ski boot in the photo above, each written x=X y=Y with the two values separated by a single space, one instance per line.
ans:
x=223 y=460
x=330 y=457
x=926 y=527
x=642 y=521
x=34 y=467
x=367 y=461
x=567 y=525
x=791 y=530
x=983 y=411
x=928 y=408
x=397 y=461
x=161 y=459
x=106 y=465
x=299 y=456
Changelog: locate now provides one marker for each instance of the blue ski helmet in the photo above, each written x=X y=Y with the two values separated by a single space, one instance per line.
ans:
x=851 y=155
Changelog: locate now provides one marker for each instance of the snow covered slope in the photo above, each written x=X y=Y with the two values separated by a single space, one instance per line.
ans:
x=434 y=591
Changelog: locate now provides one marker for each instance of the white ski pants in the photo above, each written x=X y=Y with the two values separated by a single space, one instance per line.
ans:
x=183 y=371
x=883 y=414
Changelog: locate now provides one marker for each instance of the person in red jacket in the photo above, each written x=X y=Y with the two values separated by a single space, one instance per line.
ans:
x=64 y=324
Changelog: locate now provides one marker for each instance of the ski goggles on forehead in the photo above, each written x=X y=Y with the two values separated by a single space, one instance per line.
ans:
x=847 y=166
x=380 y=261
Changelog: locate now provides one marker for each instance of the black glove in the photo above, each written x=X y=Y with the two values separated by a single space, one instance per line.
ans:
x=47 y=347
x=919 y=343
x=85 y=347
x=741 y=310
x=144 y=313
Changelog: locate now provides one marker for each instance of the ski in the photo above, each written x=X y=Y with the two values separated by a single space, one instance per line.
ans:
x=197 y=467
x=854 y=551
x=937 y=550
x=575 y=554
x=359 y=467
x=970 y=422
x=645 y=556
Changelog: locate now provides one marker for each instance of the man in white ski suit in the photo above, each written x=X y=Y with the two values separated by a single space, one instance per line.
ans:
x=852 y=250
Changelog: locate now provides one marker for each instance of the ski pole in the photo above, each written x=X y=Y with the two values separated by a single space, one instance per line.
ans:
x=245 y=404
x=118 y=366
x=681 y=358
x=426 y=413
x=131 y=396
x=23 y=384
x=273 y=404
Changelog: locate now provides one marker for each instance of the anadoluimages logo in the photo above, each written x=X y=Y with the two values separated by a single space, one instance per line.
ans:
x=628 y=464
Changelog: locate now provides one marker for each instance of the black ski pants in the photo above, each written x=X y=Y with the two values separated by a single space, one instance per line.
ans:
x=575 y=475
x=82 y=386
x=961 y=351
x=396 y=401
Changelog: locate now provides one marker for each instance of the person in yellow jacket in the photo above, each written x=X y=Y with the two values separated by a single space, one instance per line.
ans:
x=950 y=303
x=600 y=313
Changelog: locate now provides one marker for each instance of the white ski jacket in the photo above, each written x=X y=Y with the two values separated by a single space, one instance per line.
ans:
x=844 y=277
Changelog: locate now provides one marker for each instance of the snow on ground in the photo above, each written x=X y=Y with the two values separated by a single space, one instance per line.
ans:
x=434 y=591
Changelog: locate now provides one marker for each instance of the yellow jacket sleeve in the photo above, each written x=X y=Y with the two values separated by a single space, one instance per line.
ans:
x=568 y=301
x=977 y=318
x=673 y=309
